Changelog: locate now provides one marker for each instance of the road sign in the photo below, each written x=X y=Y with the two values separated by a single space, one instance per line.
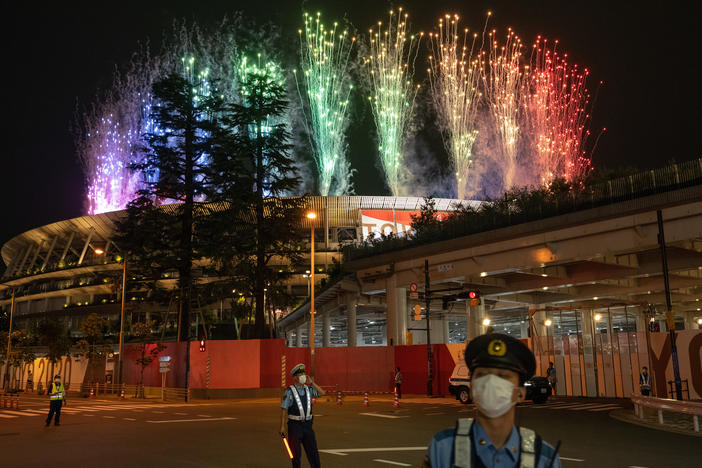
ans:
x=414 y=293
x=417 y=312
x=164 y=364
x=164 y=370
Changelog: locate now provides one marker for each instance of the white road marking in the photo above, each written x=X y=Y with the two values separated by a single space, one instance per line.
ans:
x=181 y=414
x=593 y=406
x=572 y=459
x=129 y=419
x=110 y=417
x=389 y=416
x=6 y=416
x=17 y=413
x=389 y=462
x=159 y=412
x=204 y=415
x=36 y=411
x=372 y=449
x=609 y=408
x=189 y=420
x=86 y=415
x=433 y=414
x=636 y=466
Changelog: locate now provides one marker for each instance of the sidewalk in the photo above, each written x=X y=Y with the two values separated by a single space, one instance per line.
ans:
x=672 y=422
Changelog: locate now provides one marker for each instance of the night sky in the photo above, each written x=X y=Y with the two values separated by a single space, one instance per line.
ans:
x=60 y=55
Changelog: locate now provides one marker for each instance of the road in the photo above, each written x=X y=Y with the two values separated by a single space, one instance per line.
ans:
x=109 y=433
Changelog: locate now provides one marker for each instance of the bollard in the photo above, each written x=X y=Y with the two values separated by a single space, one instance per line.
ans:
x=660 y=416
x=338 y=399
x=121 y=395
x=396 y=404
x=365 y=399
x=92 y=394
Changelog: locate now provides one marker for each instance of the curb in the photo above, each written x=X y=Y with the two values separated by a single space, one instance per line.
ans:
x=627 y=417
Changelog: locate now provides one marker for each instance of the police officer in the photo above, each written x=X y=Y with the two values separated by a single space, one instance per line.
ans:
x=499 y=366
x=57 y=395
x=296 y=417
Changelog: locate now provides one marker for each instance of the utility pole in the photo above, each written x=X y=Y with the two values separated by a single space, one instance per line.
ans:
x=669 y=308
x=121 y=322
x=9 y=342
x=427 y=299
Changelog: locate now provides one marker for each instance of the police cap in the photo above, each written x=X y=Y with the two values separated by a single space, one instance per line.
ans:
x=501 y=351
x=298 y=369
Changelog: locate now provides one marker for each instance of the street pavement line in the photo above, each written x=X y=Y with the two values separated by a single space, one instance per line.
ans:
x=190 y=420
x=6 y=416
x=566 y=406
x=432 y=414
x=17 y=413
x=593 y=406
x=371 y=449
x=613 y=407
x=129 y=419
x=390 y=462
x=573 y=459
x=388 y=416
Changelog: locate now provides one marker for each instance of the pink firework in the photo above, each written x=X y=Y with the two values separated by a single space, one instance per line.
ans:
x=555 y=102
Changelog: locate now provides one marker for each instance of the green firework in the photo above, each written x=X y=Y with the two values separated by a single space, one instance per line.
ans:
x=390 y=66
x=324 y=88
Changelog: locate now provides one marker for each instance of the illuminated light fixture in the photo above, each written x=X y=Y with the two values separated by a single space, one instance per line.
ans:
x=545 y=288
x=99 y=251
x=595 y=298
x=548 y=322
x=598 y=317
x=483 y=274
x=311 y=215
x=544 y=275
x=699 y=321
x=486 y=321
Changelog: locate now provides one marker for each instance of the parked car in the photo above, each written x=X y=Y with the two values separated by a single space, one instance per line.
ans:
x=538 y=388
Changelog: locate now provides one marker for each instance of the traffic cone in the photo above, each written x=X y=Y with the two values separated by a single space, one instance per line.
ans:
x=396 y=404
x=365 y=399
x=338 y=399
x=314 y=400
x=92 y=394
x=121 y=395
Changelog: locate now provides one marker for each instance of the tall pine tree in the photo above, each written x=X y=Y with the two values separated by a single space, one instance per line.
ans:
x=175 y=170
x=252 y=170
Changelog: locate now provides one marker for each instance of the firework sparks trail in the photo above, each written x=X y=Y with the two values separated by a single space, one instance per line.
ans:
x=454 y=75
x=502 y=82
x=324 y=59
x=555 y=104
x=390 y=65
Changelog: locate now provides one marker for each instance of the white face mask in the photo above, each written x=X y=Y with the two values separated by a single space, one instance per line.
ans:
x=493 y=395
x=302 y=379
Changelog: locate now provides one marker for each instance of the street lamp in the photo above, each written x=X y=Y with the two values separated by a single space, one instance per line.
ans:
x=548 y=322
x=311 y=215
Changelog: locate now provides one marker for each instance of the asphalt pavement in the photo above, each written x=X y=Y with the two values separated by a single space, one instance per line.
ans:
x=244 y=433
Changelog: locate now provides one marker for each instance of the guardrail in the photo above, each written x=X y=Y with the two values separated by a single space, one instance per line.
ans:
x=664 y=404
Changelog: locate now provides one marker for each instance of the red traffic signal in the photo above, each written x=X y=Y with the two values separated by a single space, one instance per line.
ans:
x=202 y=346
x=472 y=294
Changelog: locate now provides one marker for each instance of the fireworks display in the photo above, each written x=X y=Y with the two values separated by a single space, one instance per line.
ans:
x=454 y=75
x=502 y=81
x=556 y=119
x=507 y=118
x=390 y=66
x=324 y=86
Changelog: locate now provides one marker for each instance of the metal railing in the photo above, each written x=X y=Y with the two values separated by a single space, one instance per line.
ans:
x=664 y=404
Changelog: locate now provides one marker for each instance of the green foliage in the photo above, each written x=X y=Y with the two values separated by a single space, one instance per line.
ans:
x=52 y=334
x=20 y=349
x=142 y=332
x=94 y=344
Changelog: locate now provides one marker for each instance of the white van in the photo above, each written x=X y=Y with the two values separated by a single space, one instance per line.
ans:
x=459 y=383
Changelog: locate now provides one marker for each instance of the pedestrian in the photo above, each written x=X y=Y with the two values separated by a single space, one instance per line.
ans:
x=58 y=397
x=645 y=381
x=296 y=417
x=398 y=383
x=499 y=366
x=551 y=375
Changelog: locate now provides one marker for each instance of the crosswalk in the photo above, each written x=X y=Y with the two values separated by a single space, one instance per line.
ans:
x=575 y=406
x=92 y=410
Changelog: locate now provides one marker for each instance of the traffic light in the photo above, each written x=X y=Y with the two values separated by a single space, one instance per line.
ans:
x=472 y=296
x=417 y=312
x=202 y=346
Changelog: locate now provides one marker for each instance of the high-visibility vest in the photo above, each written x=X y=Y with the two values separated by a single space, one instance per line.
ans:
x=304 y=416
x=57 y=392
x=530 y=446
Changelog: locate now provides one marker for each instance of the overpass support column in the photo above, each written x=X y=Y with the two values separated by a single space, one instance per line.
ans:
x=298 y=336
x=474 y=321
x=445 y=329
x=396 y=306
x=326 y=331
x=589 y=350
x=351 y=306
x=641 y=322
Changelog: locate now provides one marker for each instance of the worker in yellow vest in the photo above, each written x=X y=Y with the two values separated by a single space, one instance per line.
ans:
x=58 y=397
